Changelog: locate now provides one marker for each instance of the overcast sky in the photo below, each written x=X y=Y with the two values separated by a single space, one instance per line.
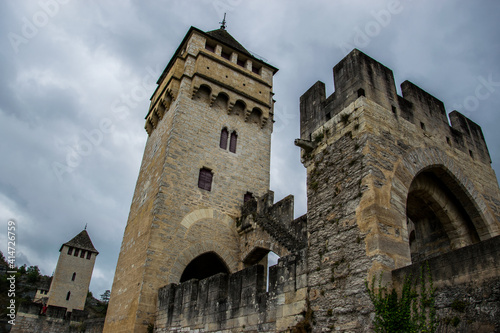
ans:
x=64 y=65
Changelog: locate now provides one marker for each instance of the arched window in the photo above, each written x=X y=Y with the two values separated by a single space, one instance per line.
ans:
x=68 y=295
x=205 y=179
x=73 y=277
x=232 y=143
x=223 y=138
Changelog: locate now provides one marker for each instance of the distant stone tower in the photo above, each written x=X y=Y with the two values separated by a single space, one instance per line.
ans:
x=208 y=150
x=71 y=280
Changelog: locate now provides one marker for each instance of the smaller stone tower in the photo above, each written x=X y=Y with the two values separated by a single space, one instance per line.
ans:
x=70 y=283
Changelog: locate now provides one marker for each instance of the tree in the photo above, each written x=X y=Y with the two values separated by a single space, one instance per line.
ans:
x=105 y=296
x=33 y=273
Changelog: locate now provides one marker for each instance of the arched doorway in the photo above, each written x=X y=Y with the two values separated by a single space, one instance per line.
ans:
x=204 y=266
x=438 y=215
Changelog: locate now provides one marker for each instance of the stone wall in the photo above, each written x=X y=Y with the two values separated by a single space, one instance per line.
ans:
x=238 y=302
x=55 y=320
x=467 y=283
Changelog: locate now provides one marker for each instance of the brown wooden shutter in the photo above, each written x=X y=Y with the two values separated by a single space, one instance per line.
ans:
x=223 y=138
x=205 y=179
x=232 y=144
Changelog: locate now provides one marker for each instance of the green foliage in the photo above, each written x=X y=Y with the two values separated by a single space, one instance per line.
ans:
x=105 y=296
x=459 y=305
x=414 y=311
x=33 y=274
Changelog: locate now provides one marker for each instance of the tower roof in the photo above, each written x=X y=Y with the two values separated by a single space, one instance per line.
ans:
x=224 y=37
x=220 y=35
x=81 y=241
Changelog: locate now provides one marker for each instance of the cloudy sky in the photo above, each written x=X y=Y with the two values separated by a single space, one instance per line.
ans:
x=65 y=64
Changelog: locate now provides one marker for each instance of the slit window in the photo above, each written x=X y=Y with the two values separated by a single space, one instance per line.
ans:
x=471 y=154
x=232 y=143
x=361 y=92
x=82 y=254
x=422 y=126
x=73 y=277
x=68 y=295
x=223 y=138
x=70 y=250
x=205 y=179
x=76 y=252
x=89 y=254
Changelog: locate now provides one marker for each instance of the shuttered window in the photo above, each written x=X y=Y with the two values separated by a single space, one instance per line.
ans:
x=232 y=144
x=223 y=138
x=205 y=179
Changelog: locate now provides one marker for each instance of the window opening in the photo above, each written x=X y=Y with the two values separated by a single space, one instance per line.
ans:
x=205 y=179
x=204 y=266
x=361 y=92
x=89 y=255
x=247 y=196
x=226 y=55
x=76 y=252
x=82 y=254
x=223 y=138
x=68 y=295
x=232 y=144
x=70 y=251
x=73 y=277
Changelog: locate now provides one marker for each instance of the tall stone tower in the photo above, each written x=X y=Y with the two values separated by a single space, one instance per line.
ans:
x=71 y=280
x=209 y=126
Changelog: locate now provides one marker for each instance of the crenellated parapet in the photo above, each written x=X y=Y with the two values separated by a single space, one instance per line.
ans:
x=359 y=76
x=239 y=301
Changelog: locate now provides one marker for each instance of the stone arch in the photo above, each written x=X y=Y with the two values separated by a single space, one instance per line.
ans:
x=239 y=108
x=221 y=101
x=254 y=116
x=204 y=266
x=194 y=251
x=202 y=93
x=437 y=161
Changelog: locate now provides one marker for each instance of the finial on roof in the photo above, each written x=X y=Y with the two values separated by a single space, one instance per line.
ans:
x=223 y=23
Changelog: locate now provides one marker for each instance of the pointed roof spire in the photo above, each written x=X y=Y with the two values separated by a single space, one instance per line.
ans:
x=81 y=241
x=223 y=23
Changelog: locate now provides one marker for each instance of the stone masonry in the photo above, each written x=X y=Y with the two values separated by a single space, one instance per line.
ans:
x=391 y=186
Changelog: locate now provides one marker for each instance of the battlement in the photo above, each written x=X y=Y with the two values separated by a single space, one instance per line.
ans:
x=359 y=76
x=237 y=301
x=277 y=220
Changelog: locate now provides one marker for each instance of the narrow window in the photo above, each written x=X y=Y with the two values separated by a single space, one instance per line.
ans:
x=73 y=277
x=205 y=179
x=89 y=254
x=68 y=295
x=70 y=250
x=361 y=92
x=422 y=126
x=82 y=254
x=448 y=141
x=394 y=109
x=247 y=196
x=471 y=154
x=223 y=138
x=232 y=143
x=76 y=252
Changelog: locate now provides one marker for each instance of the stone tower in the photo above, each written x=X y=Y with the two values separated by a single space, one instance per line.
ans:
x=71 y=280
x=209 y=126
x=390 y=183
